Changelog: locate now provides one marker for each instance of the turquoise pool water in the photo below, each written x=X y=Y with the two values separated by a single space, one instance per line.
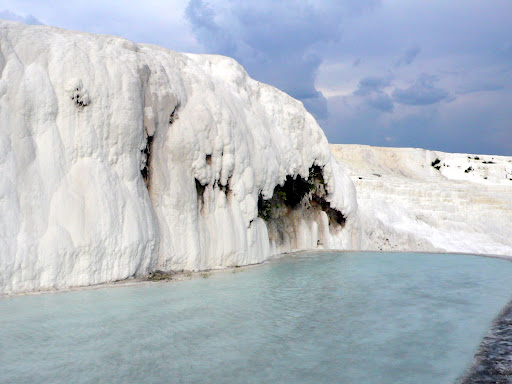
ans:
x=318 y=318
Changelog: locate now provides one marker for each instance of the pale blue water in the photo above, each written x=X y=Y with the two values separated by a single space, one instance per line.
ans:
x=322 y=318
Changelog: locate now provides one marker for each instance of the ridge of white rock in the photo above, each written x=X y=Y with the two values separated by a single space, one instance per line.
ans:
x=419 y=200
x=119 y=158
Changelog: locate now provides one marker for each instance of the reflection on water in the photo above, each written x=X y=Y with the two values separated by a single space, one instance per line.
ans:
x=322 y=318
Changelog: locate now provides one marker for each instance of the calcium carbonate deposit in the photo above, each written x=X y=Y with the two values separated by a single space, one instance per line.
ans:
x=118 y=158
x=420 y=200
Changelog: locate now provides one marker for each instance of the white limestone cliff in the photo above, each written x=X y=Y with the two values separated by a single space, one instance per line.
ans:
x=118 y=158
x=418 y=200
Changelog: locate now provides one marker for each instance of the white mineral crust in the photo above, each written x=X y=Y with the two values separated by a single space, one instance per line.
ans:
x=76 y=113
x=406 y=204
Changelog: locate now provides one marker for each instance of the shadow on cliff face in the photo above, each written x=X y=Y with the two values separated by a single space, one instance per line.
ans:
x=295 y=200
x=298 y=192
x=145 y=167
x=146 y=161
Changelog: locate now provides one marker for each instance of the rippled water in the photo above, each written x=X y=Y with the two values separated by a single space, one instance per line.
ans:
x=321 y=318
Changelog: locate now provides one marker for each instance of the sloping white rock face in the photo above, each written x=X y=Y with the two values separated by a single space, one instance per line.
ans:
x=414 y=199
x=82 y=119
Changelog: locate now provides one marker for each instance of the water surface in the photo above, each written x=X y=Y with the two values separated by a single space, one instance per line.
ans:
x=320 y=318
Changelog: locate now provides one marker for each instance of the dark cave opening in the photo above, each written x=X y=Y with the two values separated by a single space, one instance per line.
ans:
x=293 y=192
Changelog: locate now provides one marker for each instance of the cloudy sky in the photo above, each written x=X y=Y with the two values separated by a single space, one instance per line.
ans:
x=431 y=74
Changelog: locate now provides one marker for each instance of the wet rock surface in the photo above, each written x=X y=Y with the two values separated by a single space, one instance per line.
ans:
x=493 y=361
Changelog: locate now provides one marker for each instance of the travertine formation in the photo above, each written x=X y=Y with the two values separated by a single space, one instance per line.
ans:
x=418 y=200
x=118 y=158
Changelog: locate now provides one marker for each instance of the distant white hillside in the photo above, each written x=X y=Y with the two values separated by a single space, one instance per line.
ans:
x=415 y=199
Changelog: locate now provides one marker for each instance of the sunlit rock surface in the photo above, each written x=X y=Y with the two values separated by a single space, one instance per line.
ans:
x=419 y=200
x=118 y=158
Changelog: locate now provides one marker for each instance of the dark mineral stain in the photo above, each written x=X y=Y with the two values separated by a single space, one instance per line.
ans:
x=145 y=171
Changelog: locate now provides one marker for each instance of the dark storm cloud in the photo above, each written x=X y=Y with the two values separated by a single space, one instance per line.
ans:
x=29 y=19
x=202 y=16
x=466 y=45
x=421 y=92
x=471 y=123
x=408 y=56
x=317 y=103
x=482 y=87
x=381 y=101
x=368 y=85
x=370 y=89
x=278 y=42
